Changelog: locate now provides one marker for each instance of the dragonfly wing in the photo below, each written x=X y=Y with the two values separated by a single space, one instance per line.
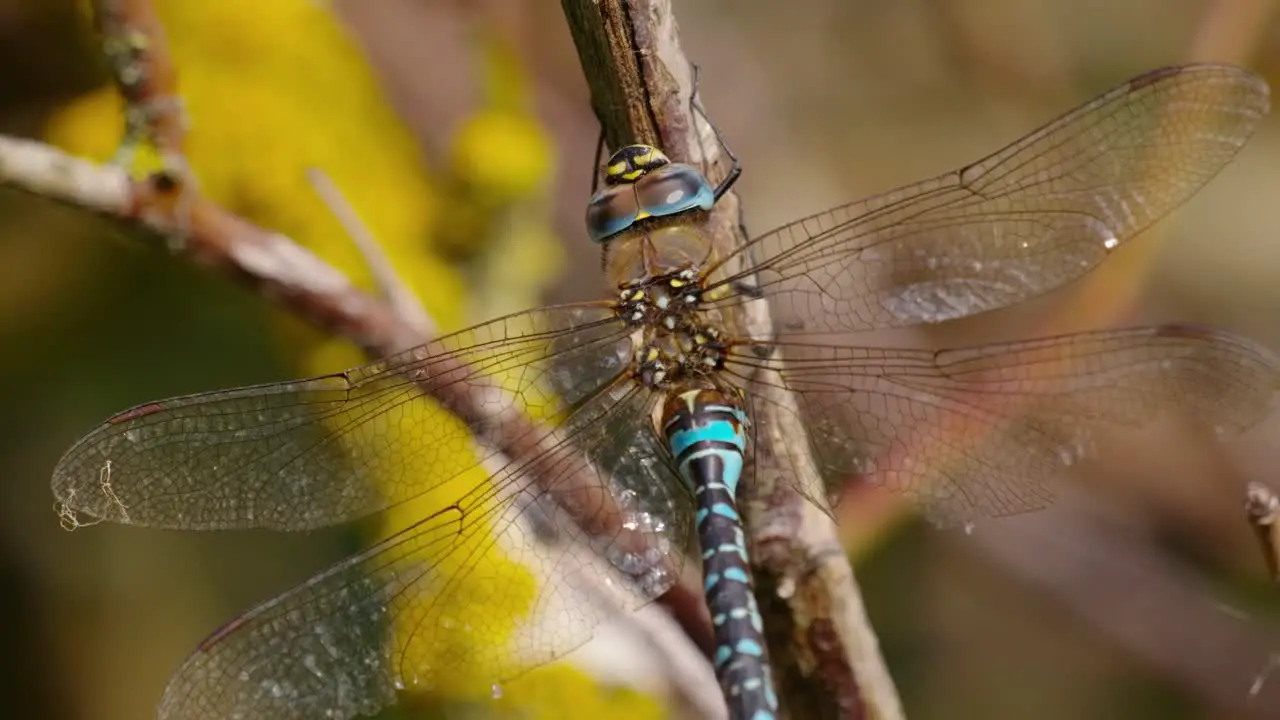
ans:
x=316 y=452
x=986 y=431
x=472 y=596
x=1033 y=216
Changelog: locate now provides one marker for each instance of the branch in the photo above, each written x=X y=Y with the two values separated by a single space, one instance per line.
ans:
x=207 y=235
x=394 y=290
x=1144 y=603
x=640 y=85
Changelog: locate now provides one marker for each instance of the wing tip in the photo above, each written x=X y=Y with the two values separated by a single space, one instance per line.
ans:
x=1222 y=72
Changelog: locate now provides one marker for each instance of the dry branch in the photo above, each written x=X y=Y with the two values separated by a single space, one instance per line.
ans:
x=824 y=649
x=393 y=288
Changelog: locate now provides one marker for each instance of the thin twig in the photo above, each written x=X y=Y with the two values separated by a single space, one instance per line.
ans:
x=1260 y=680
x=392 y=287
x=640 y=84
x=1146 y=605
x=1262 y=509
x=269 y=263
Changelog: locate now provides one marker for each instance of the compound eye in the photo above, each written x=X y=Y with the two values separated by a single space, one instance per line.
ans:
x=611 y=210
x=674 y=189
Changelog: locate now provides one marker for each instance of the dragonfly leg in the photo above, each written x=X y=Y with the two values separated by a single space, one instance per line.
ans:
x=595 y=164
x=747 y=289
x=695 y=108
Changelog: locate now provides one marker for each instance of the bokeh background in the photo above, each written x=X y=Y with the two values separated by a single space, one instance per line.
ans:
x=1140 y=596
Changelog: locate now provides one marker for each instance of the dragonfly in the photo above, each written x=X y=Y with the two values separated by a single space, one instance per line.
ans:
x=604 y=443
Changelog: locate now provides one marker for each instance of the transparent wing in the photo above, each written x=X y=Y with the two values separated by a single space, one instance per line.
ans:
x=310 y=453
x=987 y=431
x=1033 y=216
x=465 y=598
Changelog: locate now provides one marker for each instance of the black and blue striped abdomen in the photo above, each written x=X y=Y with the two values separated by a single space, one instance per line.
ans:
x=706 y=434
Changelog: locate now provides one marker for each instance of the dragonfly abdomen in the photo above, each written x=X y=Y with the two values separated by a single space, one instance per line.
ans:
x=705 y=432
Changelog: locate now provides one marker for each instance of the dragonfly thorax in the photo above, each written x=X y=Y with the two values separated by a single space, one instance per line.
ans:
x=678 y=343
x=667 y=301
x=669 y=358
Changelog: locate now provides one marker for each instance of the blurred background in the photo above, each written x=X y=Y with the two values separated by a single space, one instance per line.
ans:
x=1141 y=595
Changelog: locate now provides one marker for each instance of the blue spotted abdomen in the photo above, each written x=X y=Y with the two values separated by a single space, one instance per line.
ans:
x=706 y=433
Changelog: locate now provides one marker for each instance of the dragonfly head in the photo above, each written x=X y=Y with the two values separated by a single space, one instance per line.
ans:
x=641 y=182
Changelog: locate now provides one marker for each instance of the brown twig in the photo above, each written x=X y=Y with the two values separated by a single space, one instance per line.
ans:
x=393 y=288
x=823 y=646
x=1260 y=679
x=269 y=263
x=134 y=44
x=277 y=268
x=1262 y=509
x=1144 y=603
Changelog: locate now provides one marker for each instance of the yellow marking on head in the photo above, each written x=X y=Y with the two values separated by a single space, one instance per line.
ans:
x=677 y=283
x=632 y=162
x=651 y=355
